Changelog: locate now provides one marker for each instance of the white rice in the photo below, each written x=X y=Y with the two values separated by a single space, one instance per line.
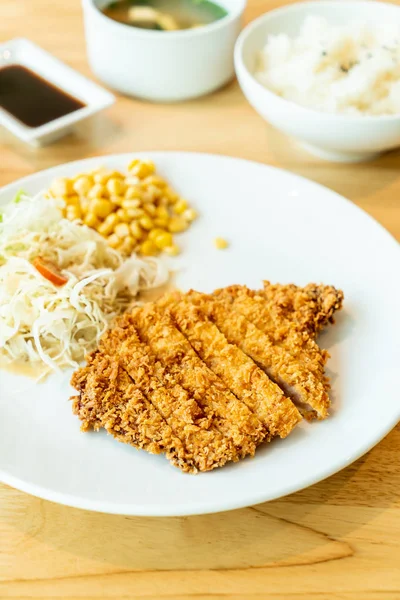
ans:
x=352 y=69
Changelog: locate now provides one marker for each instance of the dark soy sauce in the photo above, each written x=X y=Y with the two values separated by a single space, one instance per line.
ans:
x=31 y=99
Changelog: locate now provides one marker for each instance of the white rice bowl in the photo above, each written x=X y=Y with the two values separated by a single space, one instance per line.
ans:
x=352 y=69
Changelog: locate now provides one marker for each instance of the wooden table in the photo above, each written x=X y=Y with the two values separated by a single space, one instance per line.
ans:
x=339 y=539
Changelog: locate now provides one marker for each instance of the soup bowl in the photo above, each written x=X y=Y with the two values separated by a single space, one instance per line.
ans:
x=162 y=66
x=332 y=136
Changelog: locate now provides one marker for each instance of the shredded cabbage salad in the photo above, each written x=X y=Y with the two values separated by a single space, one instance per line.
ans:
x=58 y=325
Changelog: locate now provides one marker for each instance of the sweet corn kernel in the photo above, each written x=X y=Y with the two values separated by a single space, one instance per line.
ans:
x=61 y=187
x=91 y=220
x=134 y=213
x=122 y=230
x=150 y=209
x=113 y=240
x=154 y=191
x=146 y=197
x=180 y=206
x=190 y=215
x=101 y=207
x=177 y=225
x=82 y=185
x=127 y=245
x=172 y=250
x=133 y=192
x=79 y=175
x=171 y=195
x=148 y=248
x=97 y=191
x=101 y=176
x=136 y=230
x=121 y=214
x=155 y=232
x=155 y=180
x=73 y=201
x=162 y=212
x=85 y=203
x=105 y=229
x=113 y=219
x=73 y=212
x=131 y=203
x=115 y=187
x=142 y=169
x=162 y=223
x=108 y=224
x=117 y=200
x=220 y=243
x=146 y=223
x=164 y=240
x=132 y=181
x=117 y=175
x=133 y=163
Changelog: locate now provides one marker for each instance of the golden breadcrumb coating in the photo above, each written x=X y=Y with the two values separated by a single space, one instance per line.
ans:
x=302 y=313
x=108 y=398
x=284 y=333
x=292 y=375
x=198 y=432
x=240 y=374
x=183 y=366
x=311 y=308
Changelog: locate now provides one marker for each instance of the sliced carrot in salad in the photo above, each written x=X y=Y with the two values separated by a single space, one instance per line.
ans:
x=49 y=271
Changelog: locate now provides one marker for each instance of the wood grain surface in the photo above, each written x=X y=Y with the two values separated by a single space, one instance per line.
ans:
x=339 y=539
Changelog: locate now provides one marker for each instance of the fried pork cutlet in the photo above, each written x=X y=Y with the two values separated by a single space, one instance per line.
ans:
x=108 y=398
x=283 y=333
x=202 y=379
x=183 y=366
x=197 y=432
x=291 y=374
x=239 y=372
x=310 y=308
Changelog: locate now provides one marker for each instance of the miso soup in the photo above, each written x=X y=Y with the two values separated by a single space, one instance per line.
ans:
x=164 y=15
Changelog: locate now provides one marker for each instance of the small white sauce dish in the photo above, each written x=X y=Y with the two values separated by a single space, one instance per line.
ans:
x=335 y=137
x=162 y=66
x=23 y=52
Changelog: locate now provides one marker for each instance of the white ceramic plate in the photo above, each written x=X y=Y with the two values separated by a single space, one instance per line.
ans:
x=282 y=228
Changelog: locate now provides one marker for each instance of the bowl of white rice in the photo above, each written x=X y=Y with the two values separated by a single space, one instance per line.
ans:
x=328 y=74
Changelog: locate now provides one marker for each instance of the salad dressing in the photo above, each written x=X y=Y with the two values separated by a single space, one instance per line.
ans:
x=25 y=368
